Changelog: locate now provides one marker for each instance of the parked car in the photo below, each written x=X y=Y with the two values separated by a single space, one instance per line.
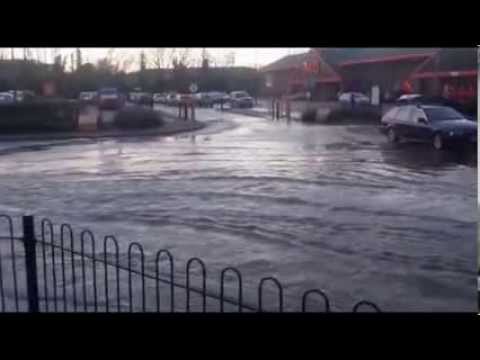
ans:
x=87 y=96
x=160 y=98
x=22 y=95
x=203 y=99
x=171 y=99
x=241 y=99
x=219 y=96
x=145 y=99
x=358 y=98
x=442 y=126
x=110 y=99
x=133 y=96
x=6 y=98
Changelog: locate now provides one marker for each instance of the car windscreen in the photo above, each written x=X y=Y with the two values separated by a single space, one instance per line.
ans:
x=240 y=94
x=442 y=114
x=108 y=92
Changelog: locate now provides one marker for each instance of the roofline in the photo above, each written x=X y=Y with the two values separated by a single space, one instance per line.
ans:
x=387 y=59
x=331 y=79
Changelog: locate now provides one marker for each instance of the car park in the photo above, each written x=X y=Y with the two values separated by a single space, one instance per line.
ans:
x=442 y=126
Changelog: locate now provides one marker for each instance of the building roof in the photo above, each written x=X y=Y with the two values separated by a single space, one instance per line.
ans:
x=325 y=72
x=287 y=62
x=452 y=59
x=348 y=56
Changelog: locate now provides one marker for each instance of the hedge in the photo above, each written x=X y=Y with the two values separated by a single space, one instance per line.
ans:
x=39 y=116
x=137 y=118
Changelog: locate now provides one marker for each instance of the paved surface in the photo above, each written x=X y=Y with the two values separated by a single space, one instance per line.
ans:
x=332 y=207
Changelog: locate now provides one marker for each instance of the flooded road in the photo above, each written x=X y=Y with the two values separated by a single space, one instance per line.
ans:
x=329 y=207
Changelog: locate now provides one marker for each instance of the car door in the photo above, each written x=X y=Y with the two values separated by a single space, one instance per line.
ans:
x=420 y=128
x=401 y=123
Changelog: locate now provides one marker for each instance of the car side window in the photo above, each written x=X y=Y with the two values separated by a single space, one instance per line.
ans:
x=392 y=114
x=418 y=114
x=404 y=113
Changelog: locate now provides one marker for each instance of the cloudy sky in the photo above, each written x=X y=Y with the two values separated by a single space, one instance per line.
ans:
x=241 y=56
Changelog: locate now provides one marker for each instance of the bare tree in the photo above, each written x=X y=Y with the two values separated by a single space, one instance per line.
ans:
x=79 y=58
x=230 y=59
x=185 y=57
x=157 y=57
x=38 y=55
x=54 y=53
x=125 y=62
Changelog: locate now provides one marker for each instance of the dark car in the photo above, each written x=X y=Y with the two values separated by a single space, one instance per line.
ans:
x=110 y=99
x=440 y=125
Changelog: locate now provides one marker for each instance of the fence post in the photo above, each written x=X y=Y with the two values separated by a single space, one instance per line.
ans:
x=31 y=263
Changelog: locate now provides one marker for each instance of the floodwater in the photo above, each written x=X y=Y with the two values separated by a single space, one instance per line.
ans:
x=329 y=207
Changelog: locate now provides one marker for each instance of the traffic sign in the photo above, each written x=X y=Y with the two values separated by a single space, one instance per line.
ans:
x=193 y=88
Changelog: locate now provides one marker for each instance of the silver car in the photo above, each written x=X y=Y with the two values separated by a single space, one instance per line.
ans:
x=6 y=98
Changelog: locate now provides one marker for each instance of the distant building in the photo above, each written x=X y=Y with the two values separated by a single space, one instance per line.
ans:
x=450 y=72
x=301 y=73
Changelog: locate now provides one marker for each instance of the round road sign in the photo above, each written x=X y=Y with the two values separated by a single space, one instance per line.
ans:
x=193 y=88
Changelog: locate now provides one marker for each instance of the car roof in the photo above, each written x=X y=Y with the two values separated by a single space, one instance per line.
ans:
x=424 y=106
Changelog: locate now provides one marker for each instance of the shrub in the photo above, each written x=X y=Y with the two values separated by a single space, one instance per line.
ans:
x=39 y=116
x=137 y=118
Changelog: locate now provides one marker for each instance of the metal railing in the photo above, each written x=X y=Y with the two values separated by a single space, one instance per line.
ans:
x=57 y=272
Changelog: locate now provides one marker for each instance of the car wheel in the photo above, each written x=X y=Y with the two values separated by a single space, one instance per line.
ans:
x=438 y=142
x=392 y=136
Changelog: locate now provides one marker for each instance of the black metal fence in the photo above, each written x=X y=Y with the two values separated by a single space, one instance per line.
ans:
x=54 y=271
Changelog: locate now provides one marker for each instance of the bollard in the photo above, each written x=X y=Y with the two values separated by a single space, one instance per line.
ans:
x=30 y=263
x=193 y=113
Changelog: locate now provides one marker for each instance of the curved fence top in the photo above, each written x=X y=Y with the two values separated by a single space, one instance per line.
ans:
x=178 y=291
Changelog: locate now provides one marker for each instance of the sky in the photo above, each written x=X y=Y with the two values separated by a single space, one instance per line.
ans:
x=254 y=57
